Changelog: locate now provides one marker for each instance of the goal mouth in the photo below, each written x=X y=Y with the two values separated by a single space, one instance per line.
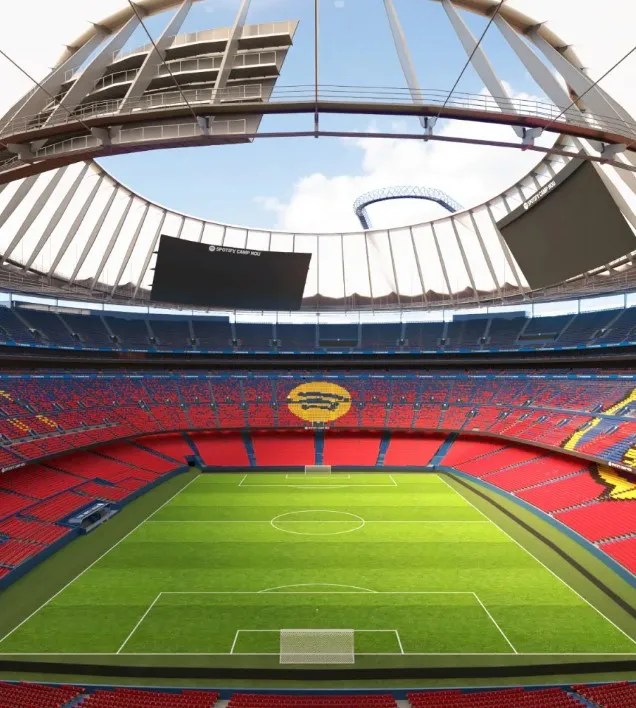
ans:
x=317 y=646
x=318 y=470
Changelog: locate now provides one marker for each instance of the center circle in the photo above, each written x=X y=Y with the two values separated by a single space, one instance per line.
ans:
x=317 y=522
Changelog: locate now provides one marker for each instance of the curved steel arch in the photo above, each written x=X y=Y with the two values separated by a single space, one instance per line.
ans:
x=465 y=260
x=401 y=192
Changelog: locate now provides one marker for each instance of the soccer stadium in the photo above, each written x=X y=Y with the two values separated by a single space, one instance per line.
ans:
x=317 y=342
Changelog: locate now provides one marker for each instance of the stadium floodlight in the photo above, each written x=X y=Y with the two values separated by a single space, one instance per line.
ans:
x=317 y=646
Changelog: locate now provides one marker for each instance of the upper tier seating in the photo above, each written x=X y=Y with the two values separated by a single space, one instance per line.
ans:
x=51 y=413
x=25 y=325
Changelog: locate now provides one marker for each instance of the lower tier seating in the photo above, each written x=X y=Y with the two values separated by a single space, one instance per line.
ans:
x=407 y=450
x=623 y=551
x=615 y=695
x=503 y=698
x=33 y=695
x=138 y=698
x=274 y=449
x=221 y=450
x=572 y=492
x=355 y=449
x=36 y=500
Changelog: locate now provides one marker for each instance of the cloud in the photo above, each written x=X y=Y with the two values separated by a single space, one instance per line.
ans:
x=470 y=174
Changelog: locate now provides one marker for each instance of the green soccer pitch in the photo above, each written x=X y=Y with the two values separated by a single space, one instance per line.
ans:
x=406 y=561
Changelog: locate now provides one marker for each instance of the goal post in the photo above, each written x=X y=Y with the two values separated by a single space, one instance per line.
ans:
x=318 y=469
x=317 y=646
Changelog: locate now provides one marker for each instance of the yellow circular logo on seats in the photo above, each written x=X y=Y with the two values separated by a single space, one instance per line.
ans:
x=319 y=401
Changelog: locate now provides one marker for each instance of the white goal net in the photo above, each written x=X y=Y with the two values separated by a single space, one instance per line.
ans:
x=318 y=469
x=317 y=646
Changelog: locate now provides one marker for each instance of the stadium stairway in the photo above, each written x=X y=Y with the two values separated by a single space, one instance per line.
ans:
x=320 y=446
x=444 y=447
x=384 y=446
x=247 y=440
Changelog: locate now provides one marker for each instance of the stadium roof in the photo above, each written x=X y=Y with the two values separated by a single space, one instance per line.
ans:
x=75 y=230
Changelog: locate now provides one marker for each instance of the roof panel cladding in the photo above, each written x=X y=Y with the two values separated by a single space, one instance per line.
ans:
x=570 y=226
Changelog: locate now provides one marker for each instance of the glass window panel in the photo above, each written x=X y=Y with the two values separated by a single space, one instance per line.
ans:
x=607 y=302
x=545 y=309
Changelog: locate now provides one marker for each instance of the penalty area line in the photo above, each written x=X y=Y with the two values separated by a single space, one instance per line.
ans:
x=136 y=627
x=97 y=560
x=540 y=562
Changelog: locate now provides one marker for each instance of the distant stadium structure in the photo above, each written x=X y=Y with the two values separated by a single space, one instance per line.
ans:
x=389 y=193
x=71 y=229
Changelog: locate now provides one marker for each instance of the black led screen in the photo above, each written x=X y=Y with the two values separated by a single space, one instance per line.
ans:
x=570 y=226
x=190 y=273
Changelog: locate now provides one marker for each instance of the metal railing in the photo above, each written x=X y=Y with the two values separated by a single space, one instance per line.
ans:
x=434 y=100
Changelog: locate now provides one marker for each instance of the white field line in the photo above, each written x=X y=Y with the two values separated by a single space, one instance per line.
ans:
x=317 y=486
x=408 y=653
x=604 y=616
x=315 y=585
x=314 y=486
x=494 y=621
x=79 y=575
x=318 y=592
x=264 y=521
x=314 y=476
x=136 y=627
x=358 y=631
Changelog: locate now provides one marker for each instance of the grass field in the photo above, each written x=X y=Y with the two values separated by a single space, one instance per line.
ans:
x=404 y=560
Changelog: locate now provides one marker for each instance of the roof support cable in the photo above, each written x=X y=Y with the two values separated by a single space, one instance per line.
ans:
x=46 y=91
x=591 y=88
x=470 y=58
x=163 y=61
